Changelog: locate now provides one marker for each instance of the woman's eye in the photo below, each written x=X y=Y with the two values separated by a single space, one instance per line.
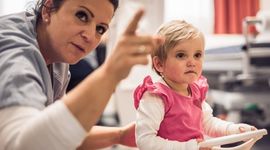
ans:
x=180 y=55
x=101 y=30
x=82 y=16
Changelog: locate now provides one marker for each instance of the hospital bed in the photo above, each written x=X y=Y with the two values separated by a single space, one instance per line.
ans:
x=238 y=64
x=238 y=69
x=240 y=59
x=237 y=58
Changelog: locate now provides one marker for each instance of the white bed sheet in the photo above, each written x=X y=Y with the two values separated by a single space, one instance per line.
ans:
x=223 y=40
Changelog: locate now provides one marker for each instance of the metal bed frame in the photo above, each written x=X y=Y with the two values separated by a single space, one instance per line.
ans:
x=240 y=74
x=240 y=64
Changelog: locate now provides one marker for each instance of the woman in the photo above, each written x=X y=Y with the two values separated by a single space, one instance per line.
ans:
x=35 y=51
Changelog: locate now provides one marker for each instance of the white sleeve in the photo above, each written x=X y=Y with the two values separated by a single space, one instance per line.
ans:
x=150 y=113
x=216 y=127
x=213 y=126
x=26 y=128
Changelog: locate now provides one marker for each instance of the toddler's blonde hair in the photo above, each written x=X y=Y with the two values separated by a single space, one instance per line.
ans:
x=174 y=32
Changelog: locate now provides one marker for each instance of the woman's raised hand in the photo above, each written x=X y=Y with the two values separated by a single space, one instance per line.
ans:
x=131 y=49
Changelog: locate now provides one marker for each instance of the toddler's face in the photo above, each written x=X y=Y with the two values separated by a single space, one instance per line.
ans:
x=184 y=62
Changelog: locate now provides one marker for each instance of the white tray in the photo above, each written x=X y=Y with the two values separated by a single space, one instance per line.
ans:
x=246 y=136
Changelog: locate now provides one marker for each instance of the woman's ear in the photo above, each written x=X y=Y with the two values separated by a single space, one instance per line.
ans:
x=46 y=10
x=158 y=65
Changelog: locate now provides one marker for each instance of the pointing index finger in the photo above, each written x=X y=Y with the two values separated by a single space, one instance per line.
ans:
x=133 y=24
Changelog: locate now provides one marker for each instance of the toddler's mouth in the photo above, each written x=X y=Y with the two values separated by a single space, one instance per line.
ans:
x=187 y=72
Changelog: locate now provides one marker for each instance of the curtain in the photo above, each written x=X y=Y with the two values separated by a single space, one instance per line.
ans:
x=229 y=14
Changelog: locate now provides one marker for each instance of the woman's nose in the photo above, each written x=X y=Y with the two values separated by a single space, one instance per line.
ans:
x=88 y=33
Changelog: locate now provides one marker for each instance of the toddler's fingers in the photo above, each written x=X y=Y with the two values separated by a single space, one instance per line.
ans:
x=253 y=128
x=199 y=140
x=245 y=128
x=242 y=129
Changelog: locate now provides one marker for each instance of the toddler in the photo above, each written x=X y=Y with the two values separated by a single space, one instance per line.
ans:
x=172 y=113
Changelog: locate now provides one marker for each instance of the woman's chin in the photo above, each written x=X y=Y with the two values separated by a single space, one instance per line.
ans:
x=72 y=61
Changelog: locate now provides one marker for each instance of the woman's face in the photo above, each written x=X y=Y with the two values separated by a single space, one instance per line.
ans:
x=75 y=29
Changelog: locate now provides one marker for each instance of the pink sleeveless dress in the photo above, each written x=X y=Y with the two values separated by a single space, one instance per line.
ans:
x=183 y=115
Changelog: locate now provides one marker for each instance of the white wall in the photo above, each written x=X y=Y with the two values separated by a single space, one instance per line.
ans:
x=198 y=12
x=12 y=6
x=265 y=4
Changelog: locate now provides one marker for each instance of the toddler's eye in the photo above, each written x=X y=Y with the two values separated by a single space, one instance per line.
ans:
x=101 y=30
x=180 y=55
x=82 y=16
x=198 y=55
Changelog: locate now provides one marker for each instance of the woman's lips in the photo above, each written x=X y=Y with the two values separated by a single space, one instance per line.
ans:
x=79 y=47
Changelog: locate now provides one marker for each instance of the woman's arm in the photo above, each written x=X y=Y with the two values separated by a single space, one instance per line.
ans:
x=28 y=128
x=55 y=128
x=100 y=137
x=149 y=116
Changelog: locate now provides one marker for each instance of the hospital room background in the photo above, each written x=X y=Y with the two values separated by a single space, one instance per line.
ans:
x=237 y=59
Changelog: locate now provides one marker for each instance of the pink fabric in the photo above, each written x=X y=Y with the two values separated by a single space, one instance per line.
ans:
x=182 y=120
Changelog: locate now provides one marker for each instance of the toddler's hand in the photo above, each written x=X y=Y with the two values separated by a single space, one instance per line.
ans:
x=202 y=148
x=239 y=128
x=245 y=127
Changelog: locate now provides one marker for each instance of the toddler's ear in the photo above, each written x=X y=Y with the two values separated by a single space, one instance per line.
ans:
x=158 y=65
